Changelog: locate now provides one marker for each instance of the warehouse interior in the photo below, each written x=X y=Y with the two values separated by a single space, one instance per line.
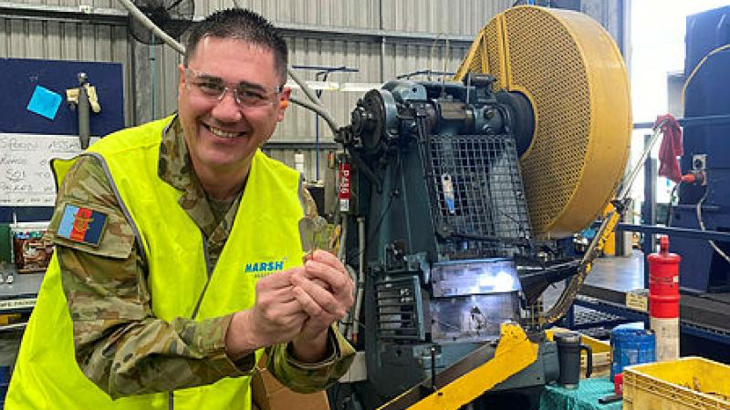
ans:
x=527 y=196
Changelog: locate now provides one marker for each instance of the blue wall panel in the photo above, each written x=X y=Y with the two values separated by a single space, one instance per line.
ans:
x=18 y=80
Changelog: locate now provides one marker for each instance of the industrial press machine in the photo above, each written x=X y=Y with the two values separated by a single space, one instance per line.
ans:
x=463 y=192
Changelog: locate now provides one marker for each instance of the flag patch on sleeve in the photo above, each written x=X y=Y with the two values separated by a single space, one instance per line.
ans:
x=81 y=224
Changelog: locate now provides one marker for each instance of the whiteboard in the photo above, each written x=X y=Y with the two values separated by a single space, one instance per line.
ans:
x=26 y=178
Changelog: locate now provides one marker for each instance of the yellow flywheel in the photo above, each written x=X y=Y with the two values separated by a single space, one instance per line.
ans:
x=571 y=71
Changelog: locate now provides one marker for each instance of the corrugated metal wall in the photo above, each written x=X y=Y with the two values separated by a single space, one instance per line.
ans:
x=380 y=38
x=463 y=17
x=151 y=74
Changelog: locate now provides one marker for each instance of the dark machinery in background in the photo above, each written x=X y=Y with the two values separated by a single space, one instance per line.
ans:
x=452 y=240
x=706 y=149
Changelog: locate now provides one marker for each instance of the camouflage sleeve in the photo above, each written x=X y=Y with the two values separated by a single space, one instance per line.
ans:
x=120 y=345
x=310 y=377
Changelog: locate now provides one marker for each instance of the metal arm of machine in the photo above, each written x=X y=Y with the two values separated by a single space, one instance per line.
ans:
x=620 y=204
x=477 y=373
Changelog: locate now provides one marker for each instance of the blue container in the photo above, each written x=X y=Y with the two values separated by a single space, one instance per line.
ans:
x=631 y=346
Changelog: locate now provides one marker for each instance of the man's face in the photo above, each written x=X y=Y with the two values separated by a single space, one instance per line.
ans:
x=223 y=134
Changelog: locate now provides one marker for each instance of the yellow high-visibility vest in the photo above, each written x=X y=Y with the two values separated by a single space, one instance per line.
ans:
x=265 y=235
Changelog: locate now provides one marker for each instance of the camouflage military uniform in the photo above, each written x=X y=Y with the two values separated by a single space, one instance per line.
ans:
x=113 y=325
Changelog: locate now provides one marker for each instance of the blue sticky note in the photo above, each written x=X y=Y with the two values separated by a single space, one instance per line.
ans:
x=44 y=102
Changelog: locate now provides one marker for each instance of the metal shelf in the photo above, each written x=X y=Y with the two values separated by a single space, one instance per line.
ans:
x=686 y=326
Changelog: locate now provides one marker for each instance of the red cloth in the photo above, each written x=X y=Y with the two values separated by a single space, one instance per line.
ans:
x=671 y=147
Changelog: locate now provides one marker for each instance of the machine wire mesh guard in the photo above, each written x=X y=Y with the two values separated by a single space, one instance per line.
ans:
x=478 y=191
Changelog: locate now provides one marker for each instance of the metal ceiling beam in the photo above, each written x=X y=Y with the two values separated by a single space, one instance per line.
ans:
x=371 y=34
x=42 y=12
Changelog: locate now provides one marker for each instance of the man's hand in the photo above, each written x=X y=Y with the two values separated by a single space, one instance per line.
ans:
x=324 y=290
x=276 y=317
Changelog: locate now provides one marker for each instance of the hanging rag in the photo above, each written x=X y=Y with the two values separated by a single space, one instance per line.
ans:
x=671 y=147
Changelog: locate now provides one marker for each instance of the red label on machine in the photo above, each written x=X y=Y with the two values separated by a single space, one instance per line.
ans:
x=345 y=192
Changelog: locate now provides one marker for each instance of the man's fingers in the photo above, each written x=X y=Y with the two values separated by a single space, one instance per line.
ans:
x=286 y=314
x=289 y=308
x=326 y=258
x=320 y=296
x=340 y=282
x=277 y=280
x=268 y=296
x=306 y=302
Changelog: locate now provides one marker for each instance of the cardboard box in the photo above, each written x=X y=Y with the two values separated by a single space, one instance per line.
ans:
x=269 y=394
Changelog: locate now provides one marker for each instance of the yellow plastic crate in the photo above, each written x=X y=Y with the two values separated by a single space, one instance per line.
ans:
x=687 y=383
x=601 y=353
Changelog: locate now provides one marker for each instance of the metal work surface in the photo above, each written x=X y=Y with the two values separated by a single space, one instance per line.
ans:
x=699 y=316
x=23 y=285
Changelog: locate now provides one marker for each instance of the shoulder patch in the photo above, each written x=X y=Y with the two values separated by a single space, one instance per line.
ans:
x=84 y=225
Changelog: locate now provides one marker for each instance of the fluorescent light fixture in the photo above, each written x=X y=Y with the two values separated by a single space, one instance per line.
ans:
x=334 y=86
x=315 y=85
x=359 y=87
x=323 y=85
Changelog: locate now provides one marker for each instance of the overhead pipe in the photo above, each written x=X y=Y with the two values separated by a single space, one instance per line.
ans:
x=318 y=109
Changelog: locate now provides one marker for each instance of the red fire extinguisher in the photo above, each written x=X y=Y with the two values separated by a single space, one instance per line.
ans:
x=664 y=300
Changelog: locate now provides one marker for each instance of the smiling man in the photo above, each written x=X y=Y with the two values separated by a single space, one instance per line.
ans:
x=155 y=308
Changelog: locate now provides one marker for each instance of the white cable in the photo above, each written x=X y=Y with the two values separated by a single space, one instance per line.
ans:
x=702 y=224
